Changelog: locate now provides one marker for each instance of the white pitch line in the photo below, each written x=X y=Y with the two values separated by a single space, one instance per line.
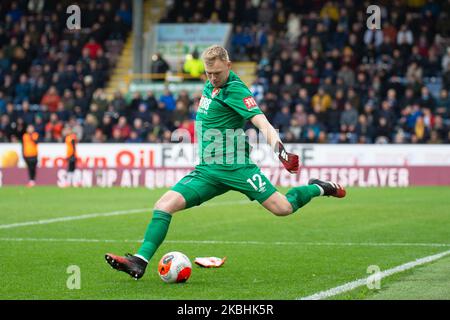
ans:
x=66 y=240
x=361 y=282
x=104 y=214
x=350 y=244
x=264 y=243
x=71 y=218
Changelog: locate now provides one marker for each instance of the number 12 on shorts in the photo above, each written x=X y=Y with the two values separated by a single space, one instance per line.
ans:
x=257 y=178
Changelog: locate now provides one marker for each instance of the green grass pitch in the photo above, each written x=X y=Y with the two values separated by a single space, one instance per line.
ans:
x=326 y=244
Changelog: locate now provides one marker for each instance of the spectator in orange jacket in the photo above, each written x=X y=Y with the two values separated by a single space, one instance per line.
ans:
x=30 y=153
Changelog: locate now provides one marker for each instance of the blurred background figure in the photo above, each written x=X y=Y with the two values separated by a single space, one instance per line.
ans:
x=71 y=141
x=193 y=66
x=30 y=153
x=159 y=66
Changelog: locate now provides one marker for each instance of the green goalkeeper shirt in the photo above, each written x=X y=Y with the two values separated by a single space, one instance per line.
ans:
x=220 y=120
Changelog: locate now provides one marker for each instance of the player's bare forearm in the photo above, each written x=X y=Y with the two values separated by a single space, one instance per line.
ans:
x=270 y=134
x=289 y=160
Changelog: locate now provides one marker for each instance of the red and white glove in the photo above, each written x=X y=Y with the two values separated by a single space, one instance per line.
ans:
x=210 y=262
x=289 y=160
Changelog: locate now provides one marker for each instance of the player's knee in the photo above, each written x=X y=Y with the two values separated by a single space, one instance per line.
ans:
x=160 y=205
x=164 y=205
x=170 y=203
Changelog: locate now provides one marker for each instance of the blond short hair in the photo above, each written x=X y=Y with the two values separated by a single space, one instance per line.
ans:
x=215 y=52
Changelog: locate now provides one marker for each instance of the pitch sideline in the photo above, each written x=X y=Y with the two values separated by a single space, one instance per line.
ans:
x=364 y=281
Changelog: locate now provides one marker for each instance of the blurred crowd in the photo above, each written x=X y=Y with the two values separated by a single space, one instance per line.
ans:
x=49 y=73
x=324 y=74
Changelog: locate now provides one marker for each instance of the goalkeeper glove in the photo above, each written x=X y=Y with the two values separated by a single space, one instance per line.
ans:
x=289 y=160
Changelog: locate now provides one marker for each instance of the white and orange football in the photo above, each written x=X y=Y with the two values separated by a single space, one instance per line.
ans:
x=174 y=267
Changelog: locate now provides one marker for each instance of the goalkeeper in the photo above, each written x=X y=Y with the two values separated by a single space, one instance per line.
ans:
x=225 y=164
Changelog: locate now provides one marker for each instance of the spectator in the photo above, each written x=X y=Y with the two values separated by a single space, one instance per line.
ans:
x=99 y=137
x=6 y=127
x=118 y=102
x=349 y=118
x=188 y=126
x=443 y=103
x=125 y=14
x=241 y=41
x=51 y=99
x=293 y=27
x=76 y=127
x=107 y=126
x=39 y=125
x=421 y=132
x=340 y=99
x=446 y=60
x=289 y=85
x=440 y=127
x=414 y=73
x=194 y=66
x=387 y=113
x=426 y=100
x=93 y=47
x=123 y=128
x=89 y=128
x=295 y=131
x=53 y=129
x=68 y=100
x=134 y=138
x=405 y=37
x=168 y=100
x=364 y=130
x=159 y=66
x=383 y=131
x=434 y=138
x=322 y=99
x=312 y=130
x=446 y=78
x=152 y=103
x=142 y=113
x=333 y=122
x=347 y=75
x=2 y=103
x=116 y=136
x=23 y=89
x=265 y=13
x=156 y=128
x=300 y=115
x=138 y=127
x=282 y=119
x=179 y=114
x=27 y=115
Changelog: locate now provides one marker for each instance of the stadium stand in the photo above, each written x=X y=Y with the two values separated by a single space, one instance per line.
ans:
x=322 y=76
x=50 y=76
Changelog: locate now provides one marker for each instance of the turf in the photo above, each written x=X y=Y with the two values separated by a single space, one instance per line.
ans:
x=325 y=244
x=426 y=282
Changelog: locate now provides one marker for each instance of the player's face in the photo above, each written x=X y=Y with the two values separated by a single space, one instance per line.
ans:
x=218 y=72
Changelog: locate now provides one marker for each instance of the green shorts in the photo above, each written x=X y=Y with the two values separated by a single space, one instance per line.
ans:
x=205 y=183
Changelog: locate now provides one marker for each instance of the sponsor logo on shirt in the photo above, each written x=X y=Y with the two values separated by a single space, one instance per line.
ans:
x=215 y=92
x=203 y=105
x=250 y=102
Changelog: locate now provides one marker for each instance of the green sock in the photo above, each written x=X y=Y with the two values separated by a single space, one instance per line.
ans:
x=155 y=234
x=299 y=196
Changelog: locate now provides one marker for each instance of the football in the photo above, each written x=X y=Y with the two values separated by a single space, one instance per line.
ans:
x=174 y=267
